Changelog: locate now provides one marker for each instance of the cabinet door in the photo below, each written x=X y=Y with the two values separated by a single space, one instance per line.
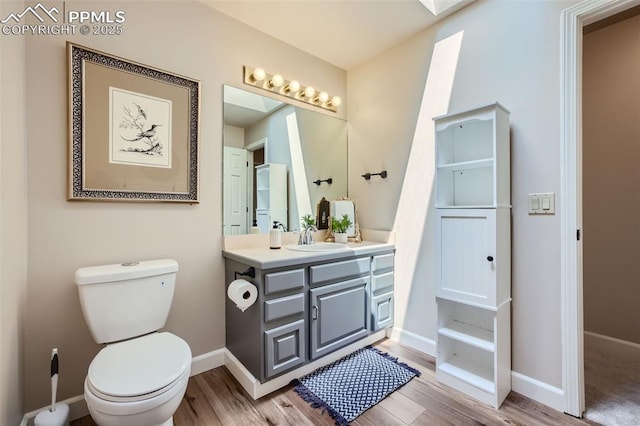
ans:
x=285 y=348
x=467 y=256
x=263 y=220
x=381 y=311
x=338 y=315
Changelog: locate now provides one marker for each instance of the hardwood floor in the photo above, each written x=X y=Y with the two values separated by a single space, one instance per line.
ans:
x=216 y=398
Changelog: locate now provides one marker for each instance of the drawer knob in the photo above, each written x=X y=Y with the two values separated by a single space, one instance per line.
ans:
x=490 y=258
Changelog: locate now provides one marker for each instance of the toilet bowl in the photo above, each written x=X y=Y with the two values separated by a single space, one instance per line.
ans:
x=136 y=380
x=139 y=381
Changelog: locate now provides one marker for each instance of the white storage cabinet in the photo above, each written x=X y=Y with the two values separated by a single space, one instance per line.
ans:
x=271 y=195
x=473 y=240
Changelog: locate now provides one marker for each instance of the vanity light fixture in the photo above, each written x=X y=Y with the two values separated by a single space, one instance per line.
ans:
x=275 y=83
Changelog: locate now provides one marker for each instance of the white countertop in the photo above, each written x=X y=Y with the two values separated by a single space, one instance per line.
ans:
x=256 y=252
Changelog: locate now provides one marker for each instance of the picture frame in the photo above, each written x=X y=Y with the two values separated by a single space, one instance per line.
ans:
x=348 y=206
x=134 y=130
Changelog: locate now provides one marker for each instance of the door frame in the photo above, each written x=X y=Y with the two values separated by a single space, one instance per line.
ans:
x=253 y=146
x=572 y=23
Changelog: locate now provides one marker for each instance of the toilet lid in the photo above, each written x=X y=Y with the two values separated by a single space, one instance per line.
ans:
x=139 y=366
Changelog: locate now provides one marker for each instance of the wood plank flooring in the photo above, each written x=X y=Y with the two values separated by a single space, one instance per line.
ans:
x=216 y=398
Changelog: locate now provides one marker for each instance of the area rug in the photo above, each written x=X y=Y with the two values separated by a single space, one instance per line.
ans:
x=355 y=383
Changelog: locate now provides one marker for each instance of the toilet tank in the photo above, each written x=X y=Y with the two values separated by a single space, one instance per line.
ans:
x=126 y=300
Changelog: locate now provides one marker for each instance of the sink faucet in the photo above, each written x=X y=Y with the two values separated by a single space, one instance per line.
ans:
x=306 y=236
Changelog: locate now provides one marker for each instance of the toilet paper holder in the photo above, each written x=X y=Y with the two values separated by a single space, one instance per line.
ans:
x=251 y=272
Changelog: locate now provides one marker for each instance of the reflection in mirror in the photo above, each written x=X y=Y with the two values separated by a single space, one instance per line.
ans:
x=277 y=160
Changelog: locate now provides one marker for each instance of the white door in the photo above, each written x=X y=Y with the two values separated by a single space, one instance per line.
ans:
x=467 y=249
x=235 y=191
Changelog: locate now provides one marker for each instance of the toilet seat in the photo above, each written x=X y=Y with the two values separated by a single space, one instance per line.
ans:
x=155 y=364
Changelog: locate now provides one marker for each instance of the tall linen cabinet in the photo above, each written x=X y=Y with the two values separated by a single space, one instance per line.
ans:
x=473 y=237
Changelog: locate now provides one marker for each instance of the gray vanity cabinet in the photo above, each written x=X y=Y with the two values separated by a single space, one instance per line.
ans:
x=307 y=310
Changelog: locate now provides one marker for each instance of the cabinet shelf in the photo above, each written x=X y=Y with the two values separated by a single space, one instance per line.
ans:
x=467 y=165
x=463 y=369
x=469 y=334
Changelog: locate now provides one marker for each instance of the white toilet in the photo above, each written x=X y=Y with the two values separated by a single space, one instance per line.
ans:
x=141 y=375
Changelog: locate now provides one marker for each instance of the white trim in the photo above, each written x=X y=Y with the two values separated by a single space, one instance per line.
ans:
x=538 y=391
x=611 y=345
x=572 y=22
x=414 y=341
x=208 y=361
x=257 y=390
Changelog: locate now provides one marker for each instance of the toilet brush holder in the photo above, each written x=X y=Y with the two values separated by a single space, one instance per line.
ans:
x=57 y=414
x=58 y=417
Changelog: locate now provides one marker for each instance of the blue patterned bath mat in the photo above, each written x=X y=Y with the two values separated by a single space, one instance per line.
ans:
x=355 y=383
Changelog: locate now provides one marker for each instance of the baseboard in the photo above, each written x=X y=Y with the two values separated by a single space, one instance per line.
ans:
x=538 y=391
x=611 y=345
x=414 y=341
x=258 y=390
x=208 y=361
x=78 y=407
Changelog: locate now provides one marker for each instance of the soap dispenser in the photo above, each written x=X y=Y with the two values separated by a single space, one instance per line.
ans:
x=275 y=236
x=255 y=229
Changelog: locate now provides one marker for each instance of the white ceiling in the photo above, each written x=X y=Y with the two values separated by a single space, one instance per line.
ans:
x=344 y=33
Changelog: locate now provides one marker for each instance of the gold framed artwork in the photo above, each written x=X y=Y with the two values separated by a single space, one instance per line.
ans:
x=133 y=130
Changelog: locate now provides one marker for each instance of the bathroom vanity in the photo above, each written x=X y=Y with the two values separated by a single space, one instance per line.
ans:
x=312 y=301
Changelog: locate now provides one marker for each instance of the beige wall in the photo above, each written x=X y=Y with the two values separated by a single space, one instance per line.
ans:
x=13 y=223
x=509 y=53
x=184 y=37
x=611 y=180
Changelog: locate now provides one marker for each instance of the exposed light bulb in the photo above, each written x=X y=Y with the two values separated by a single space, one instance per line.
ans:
x=293 y=86
x=258 y=74
x=276 y=81
x=335 y=101
x=309 y=92
x=322 y=97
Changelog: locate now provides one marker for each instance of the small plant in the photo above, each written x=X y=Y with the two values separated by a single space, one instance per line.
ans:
x=341 y=225
x=307 y=221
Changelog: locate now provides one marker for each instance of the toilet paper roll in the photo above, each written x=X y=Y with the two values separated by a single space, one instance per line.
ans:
x=242 y=293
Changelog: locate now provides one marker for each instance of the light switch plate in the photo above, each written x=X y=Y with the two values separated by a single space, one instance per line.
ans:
x=542 y=203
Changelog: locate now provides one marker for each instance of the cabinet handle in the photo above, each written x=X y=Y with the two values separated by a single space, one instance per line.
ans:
x=490 y=258
x=314 y=312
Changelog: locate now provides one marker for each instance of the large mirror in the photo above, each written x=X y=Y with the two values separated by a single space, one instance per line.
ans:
x=279 y=162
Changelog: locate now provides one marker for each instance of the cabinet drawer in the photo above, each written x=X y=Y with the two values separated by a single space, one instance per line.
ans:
x=285 y=348
x=283 y=307
x=282 y=281
x=382 y=262
x=382 y=282
x=339 y=270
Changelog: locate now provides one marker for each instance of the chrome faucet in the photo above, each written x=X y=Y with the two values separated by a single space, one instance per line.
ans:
x=306 y=236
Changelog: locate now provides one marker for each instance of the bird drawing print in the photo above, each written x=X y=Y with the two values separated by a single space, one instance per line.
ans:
x=145 y=138
x=140 y=129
